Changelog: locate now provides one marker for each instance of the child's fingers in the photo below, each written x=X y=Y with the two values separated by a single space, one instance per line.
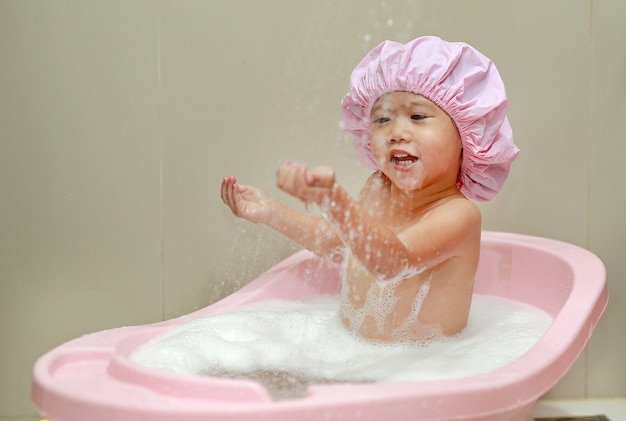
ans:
x=228 y=193
x=288 y=174
x=321 y=177
x=224 y=190
x=226 y=187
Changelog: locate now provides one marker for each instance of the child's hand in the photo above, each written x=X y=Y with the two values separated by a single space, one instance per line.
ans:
x=246 y=202
x=308 y=186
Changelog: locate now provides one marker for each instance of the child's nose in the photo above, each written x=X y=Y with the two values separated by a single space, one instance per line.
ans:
x=400 y=131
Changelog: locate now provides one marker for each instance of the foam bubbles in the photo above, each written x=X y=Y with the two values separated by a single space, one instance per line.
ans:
x=380 y=301
x=304 y=342
x=405 y=330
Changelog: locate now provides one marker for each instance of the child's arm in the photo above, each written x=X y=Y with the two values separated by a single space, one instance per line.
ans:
x=253 y=204
x=383 y=252
x=421 y=245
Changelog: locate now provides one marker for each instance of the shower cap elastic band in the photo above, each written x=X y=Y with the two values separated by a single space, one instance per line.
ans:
x=462 y=82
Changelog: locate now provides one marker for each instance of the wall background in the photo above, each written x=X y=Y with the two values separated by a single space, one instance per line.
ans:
x=118 y=120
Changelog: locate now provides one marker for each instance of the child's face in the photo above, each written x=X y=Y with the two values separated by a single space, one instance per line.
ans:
x=414 y=142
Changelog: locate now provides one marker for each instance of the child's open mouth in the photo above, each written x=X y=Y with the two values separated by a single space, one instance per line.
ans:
x=403 y=161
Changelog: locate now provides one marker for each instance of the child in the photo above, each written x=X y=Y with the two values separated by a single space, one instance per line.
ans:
x=429 y=117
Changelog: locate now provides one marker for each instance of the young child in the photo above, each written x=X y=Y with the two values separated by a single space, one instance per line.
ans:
x=429 y=117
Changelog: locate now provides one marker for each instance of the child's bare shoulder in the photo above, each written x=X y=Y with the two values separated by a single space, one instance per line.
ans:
x=456 y=210
x=453 y=219
x=460 y=205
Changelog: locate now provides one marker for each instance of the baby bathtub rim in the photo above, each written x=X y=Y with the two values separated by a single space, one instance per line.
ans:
x=529 y=367
x=544 y=355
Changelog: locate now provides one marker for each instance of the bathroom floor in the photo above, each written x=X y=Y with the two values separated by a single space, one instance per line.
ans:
x=612 y=409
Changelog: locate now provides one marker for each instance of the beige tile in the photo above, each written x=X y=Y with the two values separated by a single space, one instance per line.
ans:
x=546 y=192
x=219 y=72
x=607 y=358
x=79 y=164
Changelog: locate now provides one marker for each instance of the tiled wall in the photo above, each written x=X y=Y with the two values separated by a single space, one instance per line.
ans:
x=119 y=118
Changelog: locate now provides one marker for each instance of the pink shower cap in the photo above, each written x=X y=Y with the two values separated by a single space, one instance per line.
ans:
x=462 y=82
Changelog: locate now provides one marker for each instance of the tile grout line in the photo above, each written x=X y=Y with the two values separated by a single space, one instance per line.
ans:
x=160 y=139
x=589 y=132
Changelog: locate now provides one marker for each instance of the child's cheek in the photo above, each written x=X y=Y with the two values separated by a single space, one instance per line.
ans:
x=379 y=153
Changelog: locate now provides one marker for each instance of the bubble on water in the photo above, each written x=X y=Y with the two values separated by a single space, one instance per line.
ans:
x=405 y=332
x=390 y=22
x=379 y=303
x=367 y=38
x=306 y=340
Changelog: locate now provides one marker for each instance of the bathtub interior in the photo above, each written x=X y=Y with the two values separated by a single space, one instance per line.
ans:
x=528 y=273
x=515 y=268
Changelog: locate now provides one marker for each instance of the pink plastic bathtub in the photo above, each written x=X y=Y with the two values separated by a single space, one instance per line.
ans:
x=91 y=378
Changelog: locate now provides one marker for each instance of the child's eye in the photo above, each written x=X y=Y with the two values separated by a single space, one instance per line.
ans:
x=380 y=120
x=418 y=117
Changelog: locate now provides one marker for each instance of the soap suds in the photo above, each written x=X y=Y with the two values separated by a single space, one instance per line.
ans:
x=287 y=345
